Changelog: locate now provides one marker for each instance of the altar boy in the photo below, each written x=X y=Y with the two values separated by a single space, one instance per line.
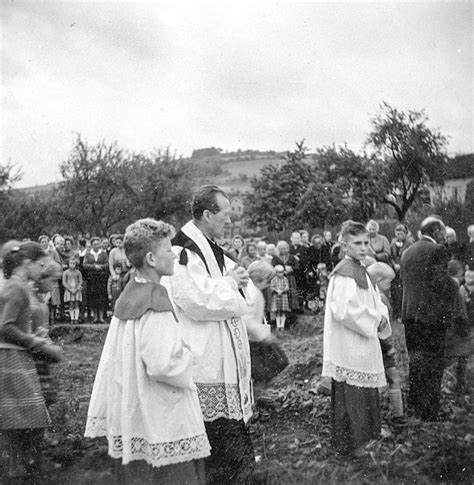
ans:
x=144 y=399
x=354 y=319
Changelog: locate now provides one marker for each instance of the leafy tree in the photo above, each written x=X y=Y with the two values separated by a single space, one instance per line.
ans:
x=273 y=202
x=96 y=183
x=105 y=188
x=164 y=186
x=9 y=174
x=351 y=183
x=408 y=154
x=335 y=185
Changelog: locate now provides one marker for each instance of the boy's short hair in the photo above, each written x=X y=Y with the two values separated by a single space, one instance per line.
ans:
x=380 y=271
x=142 y=237
x=261 y=271
x=279 y=268
x=352 y=228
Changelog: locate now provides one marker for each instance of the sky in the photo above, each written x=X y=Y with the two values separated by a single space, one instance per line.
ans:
x=259 y=75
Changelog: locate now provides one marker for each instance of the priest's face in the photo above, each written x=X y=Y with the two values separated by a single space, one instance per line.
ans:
x=217 y=221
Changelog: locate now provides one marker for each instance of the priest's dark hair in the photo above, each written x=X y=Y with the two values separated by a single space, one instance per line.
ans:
x=205 y=199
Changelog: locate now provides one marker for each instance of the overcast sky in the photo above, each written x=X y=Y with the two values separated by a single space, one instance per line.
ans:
x=230 y=75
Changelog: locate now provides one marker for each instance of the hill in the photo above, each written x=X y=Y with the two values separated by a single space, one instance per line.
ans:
x=234 y=175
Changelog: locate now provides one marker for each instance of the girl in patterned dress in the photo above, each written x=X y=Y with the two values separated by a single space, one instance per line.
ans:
x=280 y=305
x=72 y=282
x=23 y=413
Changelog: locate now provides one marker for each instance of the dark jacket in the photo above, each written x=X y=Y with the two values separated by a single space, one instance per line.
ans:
x=428 y=290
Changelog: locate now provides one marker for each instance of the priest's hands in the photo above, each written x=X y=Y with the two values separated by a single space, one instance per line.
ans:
x=240 y=276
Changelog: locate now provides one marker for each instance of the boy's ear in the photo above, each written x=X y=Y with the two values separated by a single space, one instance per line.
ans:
x=150 y=259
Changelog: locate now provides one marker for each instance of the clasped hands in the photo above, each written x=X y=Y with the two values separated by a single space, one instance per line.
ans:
x=240 y=276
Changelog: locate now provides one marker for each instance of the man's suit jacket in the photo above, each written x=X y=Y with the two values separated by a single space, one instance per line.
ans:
x=428 y=291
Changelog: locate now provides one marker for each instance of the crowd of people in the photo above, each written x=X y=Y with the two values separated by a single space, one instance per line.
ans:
x=173 y=393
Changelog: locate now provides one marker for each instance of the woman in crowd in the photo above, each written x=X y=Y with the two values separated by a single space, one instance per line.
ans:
x=326 y=250
x=69 y=250
x=378 y=244
x=238 y=244
x=117 y=256
x=96 y=267
x=251 y=256
x=23 y=413
x=397 y=247
x=452 y=245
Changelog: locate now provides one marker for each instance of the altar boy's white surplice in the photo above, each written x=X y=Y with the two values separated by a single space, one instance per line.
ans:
x=354 y=309
x=144 y=399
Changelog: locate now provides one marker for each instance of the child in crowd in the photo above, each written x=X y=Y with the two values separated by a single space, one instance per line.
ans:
x=323 y=280
x=354 y=319
x=115 y=285
x=382 y=275
x=280 y=306
x=72 y=282
x=459 y=337
x=144 y=399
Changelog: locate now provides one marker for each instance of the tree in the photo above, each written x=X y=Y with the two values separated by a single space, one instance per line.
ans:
x=105 y=188
x=164 y=186
x=408 y=154
x=96 y=184
x=9 y=174
x=336 y=184
x=272 y=204
x=351 y=183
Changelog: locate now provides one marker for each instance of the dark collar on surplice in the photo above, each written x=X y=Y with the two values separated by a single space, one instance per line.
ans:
x=353 y=269
x=184 y=241
x=137 y=298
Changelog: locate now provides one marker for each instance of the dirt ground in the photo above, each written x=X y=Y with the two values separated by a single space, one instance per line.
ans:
x=291 y=439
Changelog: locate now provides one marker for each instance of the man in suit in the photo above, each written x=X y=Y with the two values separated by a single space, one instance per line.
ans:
x=428 y=296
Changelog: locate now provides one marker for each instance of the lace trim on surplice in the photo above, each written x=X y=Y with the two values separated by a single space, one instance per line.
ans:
x=219 y=400
x=156 y=454
x=354 y=377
